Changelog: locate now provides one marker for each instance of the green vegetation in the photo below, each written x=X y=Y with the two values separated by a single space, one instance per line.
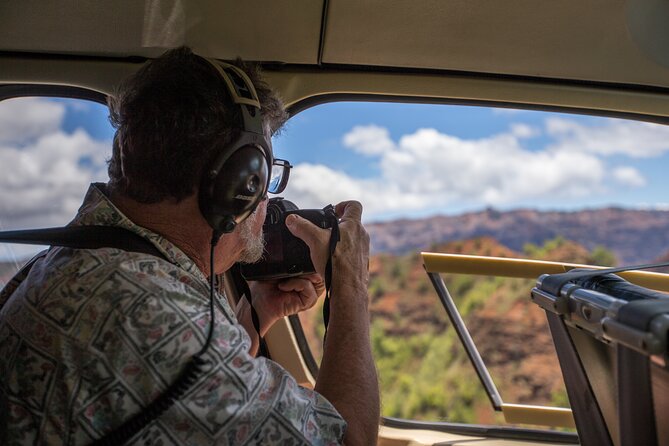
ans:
x=603 y=257
x=423 y=369
x=420 y=375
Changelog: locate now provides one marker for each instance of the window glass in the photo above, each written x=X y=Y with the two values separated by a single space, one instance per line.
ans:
x=50 y=150
x=482 y=181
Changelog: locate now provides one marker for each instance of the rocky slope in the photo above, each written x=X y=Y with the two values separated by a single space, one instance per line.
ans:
x=635 y=236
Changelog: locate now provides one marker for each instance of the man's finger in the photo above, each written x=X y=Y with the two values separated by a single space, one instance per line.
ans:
x=306 y=230
x=349 y=210
x=293 y=284
x=313 y=278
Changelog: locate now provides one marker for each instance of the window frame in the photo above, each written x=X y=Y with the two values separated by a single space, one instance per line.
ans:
x=25 y=90
x=12 y=91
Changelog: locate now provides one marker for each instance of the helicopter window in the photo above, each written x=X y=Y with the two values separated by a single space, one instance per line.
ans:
x=50 y=150
x=441 y=178
x=479 y=181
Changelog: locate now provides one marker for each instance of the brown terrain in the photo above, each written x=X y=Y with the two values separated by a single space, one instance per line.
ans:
x=635 y=236
x=509 y=330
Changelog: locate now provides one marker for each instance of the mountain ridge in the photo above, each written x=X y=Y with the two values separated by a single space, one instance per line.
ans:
x=634 y=235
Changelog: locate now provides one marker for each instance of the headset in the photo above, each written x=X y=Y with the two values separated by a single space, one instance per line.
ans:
x=237 y=179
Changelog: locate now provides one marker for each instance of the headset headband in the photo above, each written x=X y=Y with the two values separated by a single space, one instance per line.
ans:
x=243 y=93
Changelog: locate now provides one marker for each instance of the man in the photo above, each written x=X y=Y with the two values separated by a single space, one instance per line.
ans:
x=90 y=338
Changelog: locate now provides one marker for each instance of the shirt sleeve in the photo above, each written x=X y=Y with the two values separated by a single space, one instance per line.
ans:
x=235 y=398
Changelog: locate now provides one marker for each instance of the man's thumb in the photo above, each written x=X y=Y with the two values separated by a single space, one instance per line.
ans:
x=303 y=229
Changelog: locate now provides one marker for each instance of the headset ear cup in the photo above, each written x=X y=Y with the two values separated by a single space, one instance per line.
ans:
x=231 y=193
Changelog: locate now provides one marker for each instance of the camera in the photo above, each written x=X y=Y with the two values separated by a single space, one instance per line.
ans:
x=285 y=255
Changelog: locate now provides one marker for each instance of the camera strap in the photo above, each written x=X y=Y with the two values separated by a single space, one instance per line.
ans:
x=334 y=239
x=242 y=287
x=83 y=237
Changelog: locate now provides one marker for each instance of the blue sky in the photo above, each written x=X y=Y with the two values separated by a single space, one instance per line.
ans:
x=627 y=159
x=400 y=160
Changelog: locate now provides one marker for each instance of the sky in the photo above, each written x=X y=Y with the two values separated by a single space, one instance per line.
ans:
x=399 y=160
x=412 y=160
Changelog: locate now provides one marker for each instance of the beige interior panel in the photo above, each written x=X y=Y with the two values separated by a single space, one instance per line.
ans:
x=602 y=40
x=71 y=26
x=285 y=31
x=268 y=30
x=389 y=436
x=285 y=351
x=298 y=85
x=97 y=75
x=501 y=442
x=568 y=39
x=538 y=415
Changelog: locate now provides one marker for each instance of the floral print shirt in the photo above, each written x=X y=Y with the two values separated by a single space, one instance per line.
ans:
x=89 y=337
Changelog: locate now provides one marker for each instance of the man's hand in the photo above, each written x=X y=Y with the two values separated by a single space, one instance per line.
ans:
x=275 y=299
x=352 y=251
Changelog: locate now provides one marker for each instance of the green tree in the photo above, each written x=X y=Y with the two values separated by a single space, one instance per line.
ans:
x=603 y=257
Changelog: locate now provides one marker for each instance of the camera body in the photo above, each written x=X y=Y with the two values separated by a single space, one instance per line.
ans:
x=285 y=255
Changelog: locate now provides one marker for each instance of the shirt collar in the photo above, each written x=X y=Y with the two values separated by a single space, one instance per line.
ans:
x=98 y=210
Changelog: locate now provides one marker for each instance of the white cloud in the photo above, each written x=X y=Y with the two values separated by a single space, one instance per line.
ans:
x=80 y=106
x=617 y=137
x=629 y=176
x=369 y=140
x=44 y=171
x=315 y=185
x=429 y=169
x=42 y=183
x=24 y=119
x=522 y=130
x=493 y=170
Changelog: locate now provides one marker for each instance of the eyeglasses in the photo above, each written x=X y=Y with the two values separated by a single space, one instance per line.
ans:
x=279 y=177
